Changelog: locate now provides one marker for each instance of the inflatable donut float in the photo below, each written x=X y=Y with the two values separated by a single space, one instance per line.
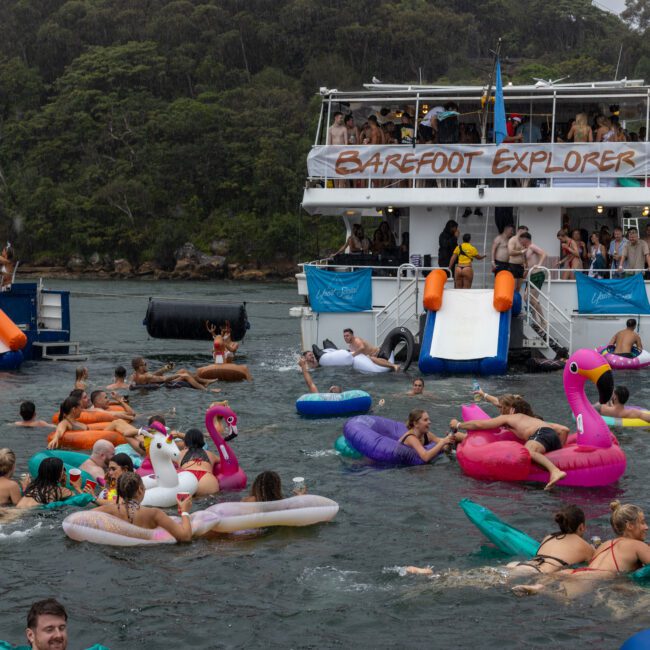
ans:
x=641 y=360
x=86 y=439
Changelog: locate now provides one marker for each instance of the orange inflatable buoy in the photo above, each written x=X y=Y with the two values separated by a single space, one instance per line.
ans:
x=224 y=372
x=504 y=290
x=10 y=334
x=89 y=417
x=86 y=439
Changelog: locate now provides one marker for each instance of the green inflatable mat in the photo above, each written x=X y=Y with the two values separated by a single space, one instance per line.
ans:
x=79 y=500
x=346 y=449
x=512 y=541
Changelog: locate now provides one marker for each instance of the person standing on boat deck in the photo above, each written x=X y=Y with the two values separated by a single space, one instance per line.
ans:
x=500 y=249
x=337 y=133
x=597 y=255
x=6 y=267
x=465 y=253
x=534 y=256
x=447 y=242
x=624 y=340
x=616 y=251
x=361 y=346
x=429 y=125
x=351 y=128
x=580 y=131
x=516 y=257
x=570 y=255
x=407 y=130
x=636 y=254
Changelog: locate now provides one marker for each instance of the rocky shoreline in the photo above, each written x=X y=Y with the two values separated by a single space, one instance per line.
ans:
x=191 y=264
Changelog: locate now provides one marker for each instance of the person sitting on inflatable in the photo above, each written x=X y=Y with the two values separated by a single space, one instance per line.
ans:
x=267 y=486
x=97 y=463
x=130 y=492
x=506 y=398
x=68 y=421
x=224 y=347
x=48 y=486
x=418 y=436
x=118 y=465
x=311 y=386
x=29 y=418
x=557 y=550
x=142 y=377
x=624 y=554
x=200 y=462
x=10 y=490
x=538 y=436
x=626 y=341
x=616 y=406
x=361 y=346
x=100 y=402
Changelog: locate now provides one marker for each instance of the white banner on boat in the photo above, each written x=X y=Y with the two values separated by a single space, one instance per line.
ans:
x=588 y=160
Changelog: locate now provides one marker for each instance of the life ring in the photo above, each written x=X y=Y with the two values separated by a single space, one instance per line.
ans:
x=225 y=372
x=377 y=438
x=627 y=422
x=102 y=528
x=93 y=417
x=334 y=404
x=86 y=439
x=641 y=360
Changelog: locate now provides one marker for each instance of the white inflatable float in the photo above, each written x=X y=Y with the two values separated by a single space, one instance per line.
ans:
x=361 y=362
x=102 y=528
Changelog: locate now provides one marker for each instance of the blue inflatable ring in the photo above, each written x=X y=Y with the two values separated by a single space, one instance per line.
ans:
x=324 y=405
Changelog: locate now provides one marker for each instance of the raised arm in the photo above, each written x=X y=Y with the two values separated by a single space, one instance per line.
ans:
x=307 y=375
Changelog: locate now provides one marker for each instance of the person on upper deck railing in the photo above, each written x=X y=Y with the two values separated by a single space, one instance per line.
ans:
x=580 y=131
x=597 y=256
x=616 y=251
x=636 y=254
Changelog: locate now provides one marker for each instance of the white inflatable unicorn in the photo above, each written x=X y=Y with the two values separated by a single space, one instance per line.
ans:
x=166 y=482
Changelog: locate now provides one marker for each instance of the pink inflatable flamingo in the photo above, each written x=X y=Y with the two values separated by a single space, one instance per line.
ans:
x=590 y=458
x=230 y=476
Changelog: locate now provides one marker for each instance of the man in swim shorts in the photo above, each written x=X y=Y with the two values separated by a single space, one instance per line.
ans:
x=28 y=415
x=539 y=437
x=302 y=362
x=97 y=463
x=361 y=346
x=516 y=262
x=616 y=406
x=500 y=250
x=47 y=625
x=625 y=340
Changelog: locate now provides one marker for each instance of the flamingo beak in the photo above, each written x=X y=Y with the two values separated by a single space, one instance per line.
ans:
x=603 y=377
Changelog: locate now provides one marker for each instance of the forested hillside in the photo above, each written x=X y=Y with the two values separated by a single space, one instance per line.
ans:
x=131 y=126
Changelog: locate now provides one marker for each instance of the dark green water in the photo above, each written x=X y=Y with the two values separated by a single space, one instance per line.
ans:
x=335 y=585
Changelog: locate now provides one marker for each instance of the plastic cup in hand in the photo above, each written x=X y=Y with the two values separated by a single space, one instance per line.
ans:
x=299 y=483
x=74 y=475
x=181 y=496
x=91 y=484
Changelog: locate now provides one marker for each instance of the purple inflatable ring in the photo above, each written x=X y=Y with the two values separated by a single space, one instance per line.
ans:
x=378 y=439
x=617 y=362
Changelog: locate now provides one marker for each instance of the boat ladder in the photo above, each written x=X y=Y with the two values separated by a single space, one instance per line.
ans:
x=73 y=353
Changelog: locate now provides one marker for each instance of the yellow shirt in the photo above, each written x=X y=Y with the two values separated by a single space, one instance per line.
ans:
x=466 y=254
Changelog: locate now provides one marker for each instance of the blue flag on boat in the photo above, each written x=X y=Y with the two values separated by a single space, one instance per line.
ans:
x=335 y=292
x=617 y=296
x=500 y=130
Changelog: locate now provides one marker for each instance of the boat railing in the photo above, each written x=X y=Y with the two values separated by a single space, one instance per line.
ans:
x=402 y=310
x=556 y=274
x=382 y=270
x=547 y=319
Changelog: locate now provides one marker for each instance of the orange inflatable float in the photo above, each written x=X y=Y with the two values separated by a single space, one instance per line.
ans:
x=86 y=439
x=225 y=372
x=91 y=417
x=10 y=334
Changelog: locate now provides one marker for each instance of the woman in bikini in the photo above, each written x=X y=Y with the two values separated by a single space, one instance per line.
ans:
x=625 y=553
x=69 y=413
x=48 y=486
x=580 y=131
x=562 y=549
x=200 y=462
x=570 y=255
x=130 y=492
x=465 y=253
x=418 y=436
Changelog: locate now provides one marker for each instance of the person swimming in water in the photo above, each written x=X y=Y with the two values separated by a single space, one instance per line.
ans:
x=616 y=406
x=119 y=382
x=302 y=362
x=625 y=553
x=418 y=436
x=29 y=418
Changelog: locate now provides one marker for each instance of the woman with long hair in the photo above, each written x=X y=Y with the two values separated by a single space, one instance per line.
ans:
x=48 y=486
x=447 y=242
x=418 y=436
x=200 y=462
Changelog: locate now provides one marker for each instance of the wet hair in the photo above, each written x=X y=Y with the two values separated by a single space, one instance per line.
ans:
x=622 y=515
x=136 y=362
x=47 y=607
x=414 y=416
x=67 y=405
x=622 y=394
x=157 y=418
x=525 y=235
x=45 y=488
x=631 y=322
x=467 y=238
x=194 y=442
x=80 y=372
x=124 y=461
x=120 y=372
x=569 y=519
x=347 y=329
x=267 y=486
x=420 y=380
x=7 y=461
x=27 y=410
x=95 y=394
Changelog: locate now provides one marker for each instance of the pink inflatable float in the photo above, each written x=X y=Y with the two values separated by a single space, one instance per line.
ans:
x=625 y=363
x=591 y=456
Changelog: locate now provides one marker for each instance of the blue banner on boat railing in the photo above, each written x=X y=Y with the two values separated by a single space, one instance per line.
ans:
x=330 y=291
x=616 y=296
